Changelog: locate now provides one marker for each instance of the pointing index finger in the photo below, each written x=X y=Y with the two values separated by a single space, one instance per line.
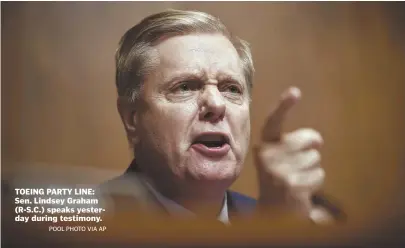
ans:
x=273 y=127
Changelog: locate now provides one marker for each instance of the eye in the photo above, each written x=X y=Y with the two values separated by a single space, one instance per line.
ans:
x=186 y=86
x=234 y=89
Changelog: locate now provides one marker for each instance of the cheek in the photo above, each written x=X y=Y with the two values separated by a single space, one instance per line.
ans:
x=246 y=130
x=242 y=130
x=171 y=123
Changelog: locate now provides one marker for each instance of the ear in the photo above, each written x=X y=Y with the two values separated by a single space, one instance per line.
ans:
x=127 y=112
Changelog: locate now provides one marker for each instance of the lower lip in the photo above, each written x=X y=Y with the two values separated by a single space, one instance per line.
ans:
x=212 y=151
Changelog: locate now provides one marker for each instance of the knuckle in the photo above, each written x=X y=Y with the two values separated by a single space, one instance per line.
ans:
x=306 y=131
x=316 y=156
x=310 y=134
x=303 y=137
x=320 y=175
x=276 y=171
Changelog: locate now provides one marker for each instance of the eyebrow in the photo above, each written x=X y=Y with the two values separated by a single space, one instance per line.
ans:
x=185 y=75
x=221 y=76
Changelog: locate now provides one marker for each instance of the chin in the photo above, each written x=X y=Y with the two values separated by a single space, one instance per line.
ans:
x=213 y=172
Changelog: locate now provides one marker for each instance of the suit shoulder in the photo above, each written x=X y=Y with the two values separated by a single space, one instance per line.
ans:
x=123 y=185
x=242 y=203
x=243 y=198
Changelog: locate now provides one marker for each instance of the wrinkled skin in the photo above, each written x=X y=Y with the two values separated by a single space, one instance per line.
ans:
x=198 y=86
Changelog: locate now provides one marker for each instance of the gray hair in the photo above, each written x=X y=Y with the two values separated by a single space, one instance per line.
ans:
x=133 y=60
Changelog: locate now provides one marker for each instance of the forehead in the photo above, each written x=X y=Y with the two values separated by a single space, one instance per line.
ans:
x=210 y=54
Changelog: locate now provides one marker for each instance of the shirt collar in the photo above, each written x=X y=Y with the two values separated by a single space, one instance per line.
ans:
x=176 y=209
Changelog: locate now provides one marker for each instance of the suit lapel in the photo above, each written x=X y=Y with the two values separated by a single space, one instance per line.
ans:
x=239 y=205
x=128 y=191
x=130 y=187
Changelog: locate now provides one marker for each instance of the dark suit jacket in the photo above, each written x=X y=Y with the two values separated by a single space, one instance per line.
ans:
x=127 y=192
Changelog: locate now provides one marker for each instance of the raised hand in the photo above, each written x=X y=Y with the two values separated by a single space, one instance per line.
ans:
x=288 y=164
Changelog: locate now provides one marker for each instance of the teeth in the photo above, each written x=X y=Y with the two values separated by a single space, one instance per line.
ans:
x=211 y=138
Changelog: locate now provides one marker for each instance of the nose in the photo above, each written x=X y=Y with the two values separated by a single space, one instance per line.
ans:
x=212 y=107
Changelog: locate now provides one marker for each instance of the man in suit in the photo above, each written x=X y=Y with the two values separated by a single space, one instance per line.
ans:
x=184 y=86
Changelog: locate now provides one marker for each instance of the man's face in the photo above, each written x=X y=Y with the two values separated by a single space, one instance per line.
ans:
x=193 y=116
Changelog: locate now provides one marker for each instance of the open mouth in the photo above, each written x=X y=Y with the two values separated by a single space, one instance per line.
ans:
x=212 y=140
x=214 y=145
